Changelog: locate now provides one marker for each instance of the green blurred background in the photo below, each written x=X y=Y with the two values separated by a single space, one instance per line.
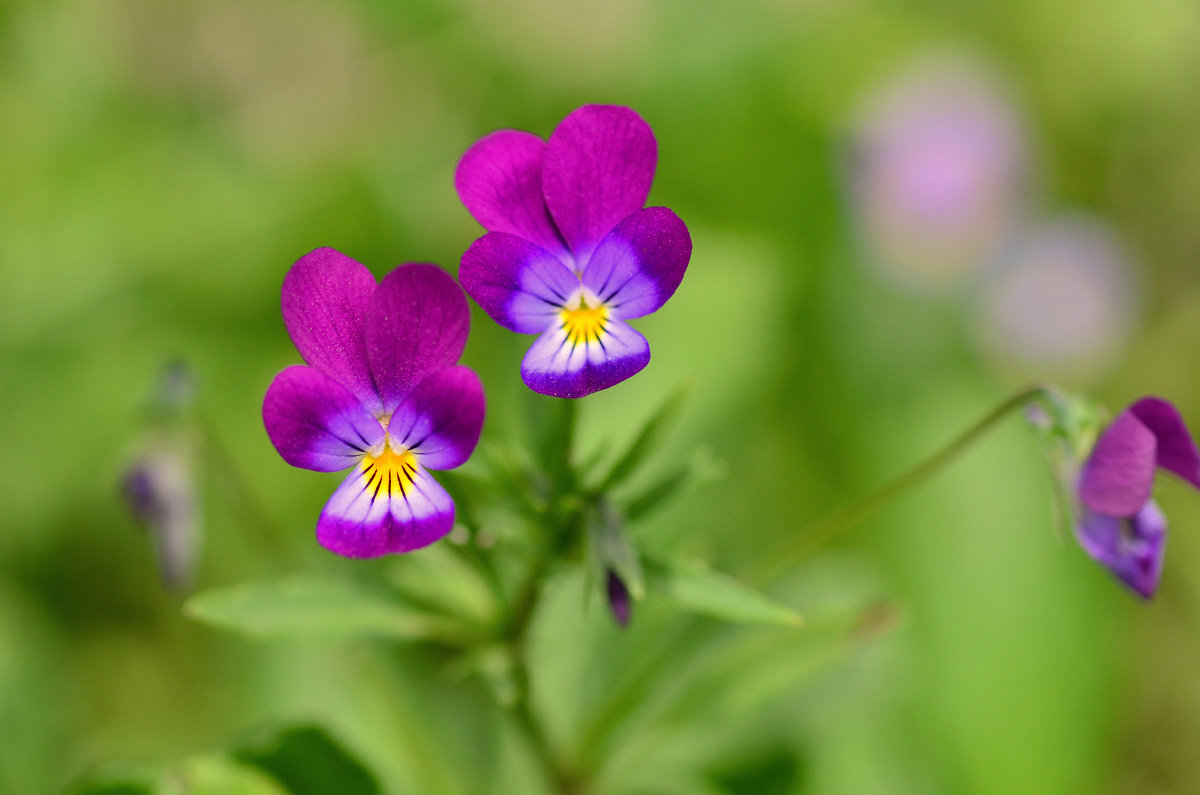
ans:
x=163 y=163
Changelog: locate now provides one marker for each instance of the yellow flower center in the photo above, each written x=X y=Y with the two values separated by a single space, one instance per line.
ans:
x=584 y=323
x=389 y=472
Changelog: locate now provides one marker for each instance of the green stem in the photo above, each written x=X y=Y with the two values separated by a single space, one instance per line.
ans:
x=560 y=523
x=277 y=546
x=819 y=533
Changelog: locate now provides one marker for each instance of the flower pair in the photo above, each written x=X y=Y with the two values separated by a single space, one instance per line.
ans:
x=570 y=255
x=1120 y=525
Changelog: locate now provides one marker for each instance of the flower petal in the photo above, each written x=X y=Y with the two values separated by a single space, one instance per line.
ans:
x=417 y=324
x=1132 y=548
x=499 y=180
x=637 y=267
x=1176 y=450
x=599 y=165
x=1119 y=474
x=366 y=518
x=315 y=423
x=442 y=418
x=520 y=285
x=325 y=296
x=556 y=366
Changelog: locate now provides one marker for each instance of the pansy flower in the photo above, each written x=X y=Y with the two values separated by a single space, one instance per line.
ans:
x=1120 y=525
x=570 y=253
x=381 y=393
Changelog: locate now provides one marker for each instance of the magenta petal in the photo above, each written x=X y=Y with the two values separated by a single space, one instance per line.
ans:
x=1119 y=474
x=520 y=285
x=442 y=419
x=360 y=521
x=555 y=366
x=637 y=267
x=417 y=324
x=599 y=165
x=325 y=296
x=499 y=180
x=315 y=423
x=1131 y=548
x=1176 y=450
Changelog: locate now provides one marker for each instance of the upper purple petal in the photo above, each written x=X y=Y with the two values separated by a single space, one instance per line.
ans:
x=637 y=267
x=522 y=286
x=1176 y=451
x=599 y=164
x=1119 y=474
x=315 y=423
x=1132 y=548
x=417 y=324
x=442 y=418
x=361 y=521
x=499 y=180
x=553 y=365
x=324 y=298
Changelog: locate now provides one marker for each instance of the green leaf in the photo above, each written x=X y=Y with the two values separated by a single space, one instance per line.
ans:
x=700 y=468
x=307 y=761
x=645 y=440
x=696 y=587
x=439 y=578
x=112 y=787
x=311 y=607
x=214 y=775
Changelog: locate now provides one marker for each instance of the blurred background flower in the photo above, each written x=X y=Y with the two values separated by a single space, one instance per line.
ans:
x=938 y=168
x=1061 y=301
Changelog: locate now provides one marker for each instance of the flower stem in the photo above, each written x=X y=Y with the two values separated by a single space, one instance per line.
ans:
x=560 y=522
x=823 y=530
x=276 y=545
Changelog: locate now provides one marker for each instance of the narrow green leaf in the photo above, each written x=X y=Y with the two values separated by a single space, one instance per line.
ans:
x=700 y=468
x=645 y=440
x=307 y=761
x=696 y=587
x=312 y=607
x=439 y=578
x=657 y=493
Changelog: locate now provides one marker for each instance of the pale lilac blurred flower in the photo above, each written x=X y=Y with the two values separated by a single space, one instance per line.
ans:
x=1063 y=298
x=937 y=172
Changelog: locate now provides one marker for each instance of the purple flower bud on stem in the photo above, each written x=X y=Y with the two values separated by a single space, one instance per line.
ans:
x=619 y=600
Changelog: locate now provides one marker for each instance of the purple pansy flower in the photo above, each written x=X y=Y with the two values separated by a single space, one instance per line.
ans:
x=1120 y=525
x=382 y=393
x=570 y=253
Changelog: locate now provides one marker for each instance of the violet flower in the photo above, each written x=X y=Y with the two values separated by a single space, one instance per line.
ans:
x=570 y=253
x=382 y=393
x=1120 y=525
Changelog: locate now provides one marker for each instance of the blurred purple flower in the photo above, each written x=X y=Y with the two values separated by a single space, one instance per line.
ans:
x=382 y=393
x=1120 y=526
x=570 y=252
x=159 y=491
x=937 y=172
x=1063 y=296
